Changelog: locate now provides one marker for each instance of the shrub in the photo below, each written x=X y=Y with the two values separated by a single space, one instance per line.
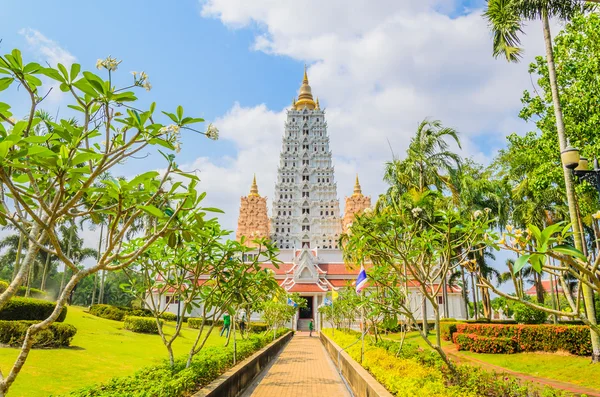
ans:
x=107 y=311
x=485 y=344
x=413 y=371
x=12 y=333
x=259 y=327
x=30 y=309
x=543 y=337
x=34 y=292
x=447 y=330
x=162 y=380
x=194 y=322
x=145 y=325
x=524 y=314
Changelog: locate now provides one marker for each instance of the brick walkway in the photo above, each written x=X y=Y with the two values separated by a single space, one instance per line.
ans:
x=302 y=369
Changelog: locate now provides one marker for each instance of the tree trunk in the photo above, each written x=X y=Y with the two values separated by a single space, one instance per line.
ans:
x=17 y=264
x=464 y=292
x=64 y=275
x=475 y=304
x=539 y=288
x=45 y=272
x=588 y=294
x=97 y=260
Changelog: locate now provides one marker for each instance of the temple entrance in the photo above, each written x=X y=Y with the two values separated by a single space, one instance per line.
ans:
x=308 y=312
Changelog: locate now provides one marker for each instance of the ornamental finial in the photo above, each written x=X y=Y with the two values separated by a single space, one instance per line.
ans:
x=357 y=189
x=254 y=188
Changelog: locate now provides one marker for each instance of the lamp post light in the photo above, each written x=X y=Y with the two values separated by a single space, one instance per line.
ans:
x=580 y=166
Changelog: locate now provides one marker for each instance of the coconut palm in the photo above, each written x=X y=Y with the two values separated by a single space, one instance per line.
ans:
x=506 y=18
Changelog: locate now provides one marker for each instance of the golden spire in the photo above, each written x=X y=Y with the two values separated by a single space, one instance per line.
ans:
x=318 y=106
x=305 y=97
x=254 y=188
x=357 y=189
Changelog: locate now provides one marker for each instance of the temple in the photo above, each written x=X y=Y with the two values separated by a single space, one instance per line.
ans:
x=305 y=221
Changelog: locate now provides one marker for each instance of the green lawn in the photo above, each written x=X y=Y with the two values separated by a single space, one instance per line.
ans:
x=100 y=350
x=557 y=366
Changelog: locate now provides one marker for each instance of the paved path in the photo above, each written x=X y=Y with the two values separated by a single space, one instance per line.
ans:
x=570 y=387
x=303 y=368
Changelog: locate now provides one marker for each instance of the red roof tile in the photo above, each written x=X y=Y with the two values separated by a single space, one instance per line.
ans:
x=306 y=288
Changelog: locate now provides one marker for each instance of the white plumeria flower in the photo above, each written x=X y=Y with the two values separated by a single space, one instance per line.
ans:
x=99 y=64
x=416 y=211
x=596 y=215
x=12 y=120
x=147 y=86
x=368 y=210
x=212 y=132
x=477 y=214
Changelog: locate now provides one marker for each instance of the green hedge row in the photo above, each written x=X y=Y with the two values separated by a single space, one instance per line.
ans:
x=413 y=371
x=12 y=333
x=118 y=313
x=33 y=292
x=162 y=380
x=144 y=325
x=196 y=323
x=485 y=344
x=29 y=309
x=543 y=337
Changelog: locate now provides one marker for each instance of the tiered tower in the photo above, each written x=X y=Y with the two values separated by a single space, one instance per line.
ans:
x=306 y=211
x=253 y=221
x=355 y=204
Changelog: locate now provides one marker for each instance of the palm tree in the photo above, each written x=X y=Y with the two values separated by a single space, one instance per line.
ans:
x=506 y=19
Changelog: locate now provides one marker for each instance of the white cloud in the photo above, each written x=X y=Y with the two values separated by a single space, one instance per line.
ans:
x=378 y=68
x=48 y=50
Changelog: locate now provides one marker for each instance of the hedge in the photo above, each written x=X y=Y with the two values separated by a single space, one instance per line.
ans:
x=162 y=380
x=29 y=309
x=413 y=371
x=447 y=330
x=144 y=325
x=118 y=313
x=12 y=333
x=196 y=323
x=33 y=292
x=543 y=337
x=485 y=344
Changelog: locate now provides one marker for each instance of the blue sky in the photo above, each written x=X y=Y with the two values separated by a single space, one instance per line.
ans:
x=378 y=67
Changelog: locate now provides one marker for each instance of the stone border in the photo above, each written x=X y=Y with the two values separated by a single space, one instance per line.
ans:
x=237 y=378
x=359 y=379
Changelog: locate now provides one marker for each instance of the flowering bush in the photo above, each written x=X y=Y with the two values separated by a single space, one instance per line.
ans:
x=485 y=344
x=549 y=338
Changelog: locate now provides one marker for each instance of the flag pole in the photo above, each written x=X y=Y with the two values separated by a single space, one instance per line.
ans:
x=364 y=329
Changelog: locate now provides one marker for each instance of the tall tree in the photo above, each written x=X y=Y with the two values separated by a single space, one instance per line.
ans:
x=506 y=18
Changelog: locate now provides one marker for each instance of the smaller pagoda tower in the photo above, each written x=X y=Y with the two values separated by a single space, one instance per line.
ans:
x=355 y=204
x=253 y=221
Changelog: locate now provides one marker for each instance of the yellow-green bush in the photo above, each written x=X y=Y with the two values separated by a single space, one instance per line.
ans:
x=145 y=325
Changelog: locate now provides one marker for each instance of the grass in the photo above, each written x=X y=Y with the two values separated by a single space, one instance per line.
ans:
x=556 y=366
x=102 y=349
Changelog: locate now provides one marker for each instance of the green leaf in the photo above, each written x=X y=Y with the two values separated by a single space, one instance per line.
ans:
x=75 y=68
x=171 y=116
x=142 y=177
x=520 y=263
x=64 y=87
x=53 y=74
x=152 y=210
x=84 y=86
x=5 y=82
x=85 y=156
x=537 y=234
x=31 y=67
x=570 y=251
x=537 y=261
x=63 y=71
x=179 y=113
x=212 y=209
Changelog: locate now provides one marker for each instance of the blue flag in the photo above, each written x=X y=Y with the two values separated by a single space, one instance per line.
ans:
x=327 y=302
x=361 y=279
x=291 y=302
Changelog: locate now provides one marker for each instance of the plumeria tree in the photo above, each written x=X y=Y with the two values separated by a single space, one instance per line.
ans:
x=533 y=247
x=52 y=171
x=281 y=308
x=410 y=248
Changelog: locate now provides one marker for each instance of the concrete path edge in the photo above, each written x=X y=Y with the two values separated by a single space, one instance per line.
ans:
x=362 y=383
x=238 y=377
